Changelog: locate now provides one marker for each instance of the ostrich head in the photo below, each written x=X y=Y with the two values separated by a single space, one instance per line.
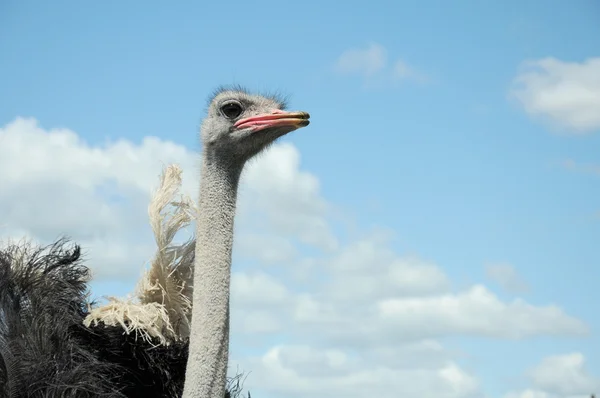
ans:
x=239 y=125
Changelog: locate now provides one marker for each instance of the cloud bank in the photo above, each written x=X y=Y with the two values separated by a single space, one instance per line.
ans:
x=565 y=94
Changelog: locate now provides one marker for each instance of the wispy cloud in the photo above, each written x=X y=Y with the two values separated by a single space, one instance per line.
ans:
x=362 y=61
x=372 y=64
x=401 y=70
x=507 y=277
x=565 y=93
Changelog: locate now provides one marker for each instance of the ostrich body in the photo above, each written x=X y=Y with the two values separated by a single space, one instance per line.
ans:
x=238 y=126
x=46 y=351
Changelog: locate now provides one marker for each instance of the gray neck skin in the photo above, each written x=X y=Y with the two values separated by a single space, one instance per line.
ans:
x=206 y=370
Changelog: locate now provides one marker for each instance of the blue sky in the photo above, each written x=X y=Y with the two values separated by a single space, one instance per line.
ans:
x=443 y=156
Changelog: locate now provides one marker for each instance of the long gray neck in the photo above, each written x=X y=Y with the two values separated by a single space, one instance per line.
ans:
x=206 y=370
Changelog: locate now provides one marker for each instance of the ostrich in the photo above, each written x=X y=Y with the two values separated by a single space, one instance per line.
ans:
x=54 y=344
x=238 y=126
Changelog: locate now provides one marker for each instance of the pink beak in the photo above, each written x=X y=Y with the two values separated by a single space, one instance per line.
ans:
x=276 y=118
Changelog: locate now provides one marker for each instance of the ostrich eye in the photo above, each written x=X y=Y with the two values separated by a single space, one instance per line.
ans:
x=231 y=110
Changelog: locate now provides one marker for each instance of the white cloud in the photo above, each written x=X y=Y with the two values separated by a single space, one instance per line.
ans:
x=529 y=393
x=54 y=183
x=368 y=269
x=363 y=61
x=560 y=376
x=352 y=318
x=274 y=186
x=478 y=311
x=297 y=371
x=257 y=322
x=371 y=63
x=257 y=289
x=402 y=71
x=507 y=277
x=267 y=249
x=403 y=299
x=564 y=375
x=566 y=93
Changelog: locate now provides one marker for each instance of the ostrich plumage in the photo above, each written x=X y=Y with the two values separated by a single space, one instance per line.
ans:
x=47 y=351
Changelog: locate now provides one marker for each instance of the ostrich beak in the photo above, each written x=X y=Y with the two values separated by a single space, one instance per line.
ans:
x=277 y=118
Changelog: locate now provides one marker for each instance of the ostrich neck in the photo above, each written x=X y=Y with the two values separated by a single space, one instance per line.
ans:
x=209 y=335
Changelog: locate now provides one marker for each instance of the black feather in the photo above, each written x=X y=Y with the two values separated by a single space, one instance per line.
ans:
x=46 y=351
